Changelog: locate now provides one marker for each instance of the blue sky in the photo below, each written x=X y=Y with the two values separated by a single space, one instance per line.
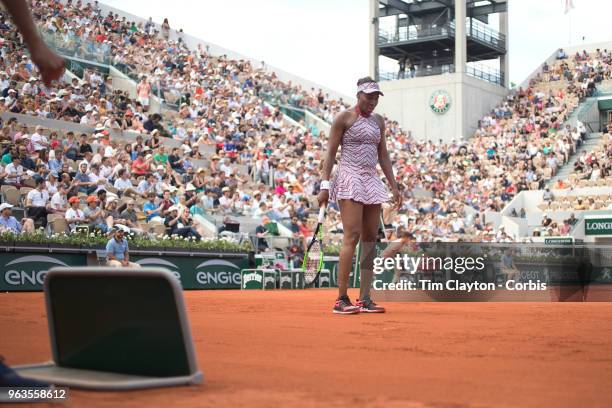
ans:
x=326 y=41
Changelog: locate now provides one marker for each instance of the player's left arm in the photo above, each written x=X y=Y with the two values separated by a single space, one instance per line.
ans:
x=385 y=163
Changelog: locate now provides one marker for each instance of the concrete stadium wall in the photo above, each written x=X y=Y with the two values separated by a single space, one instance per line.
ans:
x=579 y=233
x=515 y=227
x=492 y=217
x=480 y=97
x=528 y=199
x=29 y=120
x=408 y=102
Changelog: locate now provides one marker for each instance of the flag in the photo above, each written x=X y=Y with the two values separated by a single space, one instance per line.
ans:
x=568 y=6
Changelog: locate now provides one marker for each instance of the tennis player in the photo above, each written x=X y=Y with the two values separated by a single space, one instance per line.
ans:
x=358 y=189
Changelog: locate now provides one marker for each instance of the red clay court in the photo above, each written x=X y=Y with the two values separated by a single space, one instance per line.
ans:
x=265 y=349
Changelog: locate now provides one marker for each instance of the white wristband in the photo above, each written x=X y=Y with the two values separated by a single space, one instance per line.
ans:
x=324 y=185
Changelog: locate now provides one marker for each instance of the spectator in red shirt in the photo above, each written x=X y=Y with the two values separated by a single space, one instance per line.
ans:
x=140 y=166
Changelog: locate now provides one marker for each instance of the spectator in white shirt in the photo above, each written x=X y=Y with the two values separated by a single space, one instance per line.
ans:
x=52 y=185
x=124 y=184
x=39 y=140
x=14 y=172
x=147 y=185
x=74 y=215
x=37 y=201
x=281 y=207
x=225 y=201
x=226 y=167
x=88 y=118
x=59 y=200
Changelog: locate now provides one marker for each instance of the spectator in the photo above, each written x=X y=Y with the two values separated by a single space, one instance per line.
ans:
x=153 y=210
x=38 y=139
x=180 y=223
x=59 y=200
x=548 y=196
x=37 y=202
x=140 y=166
x=130 y=217
x=565 y=228
x=8 y=223
x=94 y=215
x=143 y=91
x=261 y=233
x=561 y=54
x=112 y=215
x=124 y=185
x=165 y=29
x=546 y=220
x=74 y=215
x=402 y=68
x=117 y=251
x=14 y=172
x=83 y=181
x=147 y=185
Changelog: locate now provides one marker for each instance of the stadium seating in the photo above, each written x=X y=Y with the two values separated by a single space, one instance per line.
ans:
x=221 y=107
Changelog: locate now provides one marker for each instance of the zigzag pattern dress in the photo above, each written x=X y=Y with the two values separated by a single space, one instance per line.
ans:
x=356 y=178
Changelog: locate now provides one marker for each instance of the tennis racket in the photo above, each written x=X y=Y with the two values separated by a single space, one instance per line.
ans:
x=313 y=258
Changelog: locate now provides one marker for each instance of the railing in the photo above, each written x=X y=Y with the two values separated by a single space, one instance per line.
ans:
x=486 y=73
x=475 y=70
x=419 y=72
x=415 y=32
x=296 y=114
x=77 y=47
x=474 y=29
x=76 y=68
x=480 y=31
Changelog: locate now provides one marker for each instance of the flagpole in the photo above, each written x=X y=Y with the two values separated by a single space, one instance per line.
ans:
x=569 y=34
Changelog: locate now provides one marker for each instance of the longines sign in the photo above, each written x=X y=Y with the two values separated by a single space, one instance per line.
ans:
x=598 y=226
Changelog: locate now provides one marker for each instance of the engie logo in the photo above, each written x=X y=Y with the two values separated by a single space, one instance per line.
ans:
x=29 y=270
x=160 y=262
x=223 y=277
x=215 y=273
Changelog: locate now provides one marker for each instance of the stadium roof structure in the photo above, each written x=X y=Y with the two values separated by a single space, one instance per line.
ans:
x=478 y=9
x=424 y=31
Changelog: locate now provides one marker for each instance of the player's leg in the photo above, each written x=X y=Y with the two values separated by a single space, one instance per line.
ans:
x=351 y=214
x=369 y=232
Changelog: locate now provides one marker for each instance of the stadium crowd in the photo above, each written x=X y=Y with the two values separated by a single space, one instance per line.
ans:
x=596 y=165
x=220 y=104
